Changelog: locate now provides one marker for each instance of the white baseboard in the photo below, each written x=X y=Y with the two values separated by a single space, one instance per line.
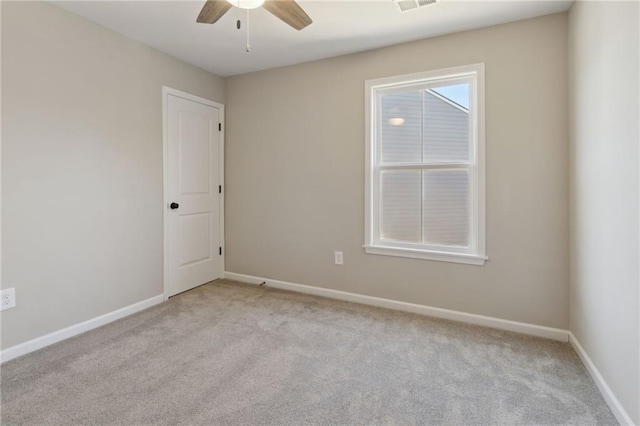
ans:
x=74 y=330
x=519 y=327
x=617 y=409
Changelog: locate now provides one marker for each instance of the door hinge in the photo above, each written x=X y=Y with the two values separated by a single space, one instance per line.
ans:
x=220 y=251
x=219 y=127
x=219 y=189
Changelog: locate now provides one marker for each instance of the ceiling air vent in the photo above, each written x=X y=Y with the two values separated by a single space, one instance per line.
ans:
x=405 y=5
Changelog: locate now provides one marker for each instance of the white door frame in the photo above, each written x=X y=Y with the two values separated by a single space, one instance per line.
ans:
x=166 y=91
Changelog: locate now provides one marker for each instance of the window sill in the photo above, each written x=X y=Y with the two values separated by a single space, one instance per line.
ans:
x=468 y=259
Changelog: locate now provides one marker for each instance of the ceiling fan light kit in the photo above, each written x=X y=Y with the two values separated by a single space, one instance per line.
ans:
x=246 y=4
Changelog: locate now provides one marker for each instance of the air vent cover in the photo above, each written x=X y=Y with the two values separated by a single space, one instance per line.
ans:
x=405 y=5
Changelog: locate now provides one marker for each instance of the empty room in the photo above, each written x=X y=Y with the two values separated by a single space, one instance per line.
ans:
x=279 y=212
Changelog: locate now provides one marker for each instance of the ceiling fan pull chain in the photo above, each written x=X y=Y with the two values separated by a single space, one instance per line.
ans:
x=248 y=46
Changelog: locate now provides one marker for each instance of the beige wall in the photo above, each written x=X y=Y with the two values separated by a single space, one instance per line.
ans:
x=605 y=254
x=82 y=198
x=295 y=175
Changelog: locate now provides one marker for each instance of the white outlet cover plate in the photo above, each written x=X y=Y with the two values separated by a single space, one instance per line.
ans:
x=7 y=299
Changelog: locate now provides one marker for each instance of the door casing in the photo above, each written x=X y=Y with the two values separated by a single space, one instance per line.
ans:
x=166 y=91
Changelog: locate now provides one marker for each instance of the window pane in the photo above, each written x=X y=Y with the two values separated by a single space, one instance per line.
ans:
x=400 y=193
x=401 y=115
x=446 y=207
x=446 y=123
x=458 y=93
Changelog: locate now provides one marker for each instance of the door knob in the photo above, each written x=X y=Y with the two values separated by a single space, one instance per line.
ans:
x=174 y=206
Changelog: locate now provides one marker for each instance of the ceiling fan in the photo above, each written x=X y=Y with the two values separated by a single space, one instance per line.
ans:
x=287 y=10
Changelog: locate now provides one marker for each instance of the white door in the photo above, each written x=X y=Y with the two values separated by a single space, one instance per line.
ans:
x=194 y=253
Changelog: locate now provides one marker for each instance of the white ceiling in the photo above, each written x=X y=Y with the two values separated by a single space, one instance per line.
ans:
x=339 y=27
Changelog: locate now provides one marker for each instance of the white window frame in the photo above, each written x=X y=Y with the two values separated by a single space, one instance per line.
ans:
x=475 y=253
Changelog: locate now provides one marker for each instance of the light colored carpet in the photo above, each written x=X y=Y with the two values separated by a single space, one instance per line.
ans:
x=231 y=353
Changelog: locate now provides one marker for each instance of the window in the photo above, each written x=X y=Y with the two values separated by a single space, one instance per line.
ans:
x=425 y=165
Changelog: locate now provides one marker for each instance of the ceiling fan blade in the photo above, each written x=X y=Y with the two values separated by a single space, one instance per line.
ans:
x=288 y=11
x=212 y=11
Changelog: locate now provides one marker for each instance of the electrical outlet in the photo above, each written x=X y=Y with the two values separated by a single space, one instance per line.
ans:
x=7 y=299
x=339 y=258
